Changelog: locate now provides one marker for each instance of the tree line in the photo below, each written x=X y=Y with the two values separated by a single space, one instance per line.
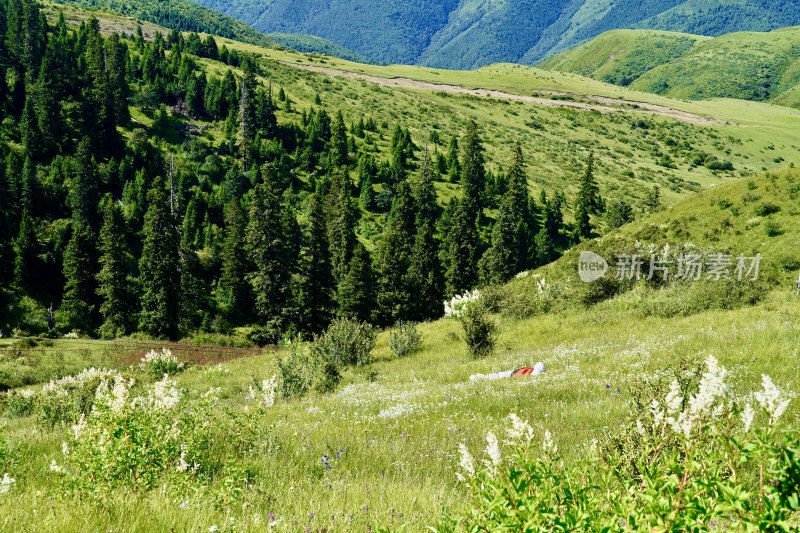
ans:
x=116 y=227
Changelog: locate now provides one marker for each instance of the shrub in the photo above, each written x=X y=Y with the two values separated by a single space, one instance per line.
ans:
x=18 y=404
x=766 y=209
x=159 y=363
x=404 y=339
x=347 y=342
x=64 y=401
x=301 y=372
x=137 y=442
x=773 y=229
x=454 y=307
x=706 y=457
x=480 y=331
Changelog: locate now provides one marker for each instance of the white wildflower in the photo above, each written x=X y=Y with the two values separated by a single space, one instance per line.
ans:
x=548 y=445
x=493 y=451
x=165 y=394
x=712 y=387
x=639 y=428
x=674 y=401
x=213 y=529
x=467 y=464
x=770 y=399
x=268 y=388
x=454 y=308
x=55 y=467
x=183 y=465
x=7 y=484
x=77 y=430
x=747 y=416
x=520 y=431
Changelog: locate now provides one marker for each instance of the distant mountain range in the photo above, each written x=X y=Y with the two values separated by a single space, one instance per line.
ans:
x=470 y=33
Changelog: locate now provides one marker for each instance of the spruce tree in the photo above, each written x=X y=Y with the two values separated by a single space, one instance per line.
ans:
x=588 y=202
x=511 y=238
x=270 y=248
x=395 y=292
x=159 y=267
x=356 y=290
x=425 y=273
x=78 y=303
x=473 y=172
x=316 y=287
x=233 y=291
x=341 y=217
x=113 y=285
x=339 y=147
x=463 y=249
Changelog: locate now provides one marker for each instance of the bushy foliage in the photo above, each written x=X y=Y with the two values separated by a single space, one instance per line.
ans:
x=480 y=331
x=305 y=370
x=404 y=339
x=704 y=456
x=64 y=401
x=160 y=362
x=137 y=441
x=347 y=342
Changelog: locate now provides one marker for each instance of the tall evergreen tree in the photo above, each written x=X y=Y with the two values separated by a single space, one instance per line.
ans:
x=588 y=202
x=316 y=287
x=339 y=148
x=356 y=290
x=159 y=267
x=78 y=304
x=473 y=172
x=511 y=235
x=463 y=250
x=341 y=219
x=113 y=285
x=425 y=273
x=395 y=292
x=271 y=250
x=233 y=291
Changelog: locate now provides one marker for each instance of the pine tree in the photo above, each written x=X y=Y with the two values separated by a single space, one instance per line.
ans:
x=113 y=286
x=425 y=273
x=356 y=290
x=462 y=251
x=511 y=239
x=84 y=190
x=233 y=291
x=78 y=304
x=473 y=172
x=395 y=292
x=158 y=267
x=27 y=265
x=340 y=215
x=588 y=202
x=339 y=149
x=270 y=249
x=316 y=288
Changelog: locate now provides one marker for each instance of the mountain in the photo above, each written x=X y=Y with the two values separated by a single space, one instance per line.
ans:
x=747 y=65
x=465 y=34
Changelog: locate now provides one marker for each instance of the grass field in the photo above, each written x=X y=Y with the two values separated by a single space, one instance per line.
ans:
x=394 y=426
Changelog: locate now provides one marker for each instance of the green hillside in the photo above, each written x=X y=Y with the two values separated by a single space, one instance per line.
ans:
x=749 y=66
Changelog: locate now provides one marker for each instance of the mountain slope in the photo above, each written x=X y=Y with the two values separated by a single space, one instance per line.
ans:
x=750 y=66
x=471 y=33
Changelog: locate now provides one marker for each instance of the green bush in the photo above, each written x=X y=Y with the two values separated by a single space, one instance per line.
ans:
x=17 y=404
x=64 y=401
x=773 y=229
x=480 y=331
x=766 y=209
x=161 y=362
x=688 y=298
x=404 y=339
x=302 y=371
x=348 y=342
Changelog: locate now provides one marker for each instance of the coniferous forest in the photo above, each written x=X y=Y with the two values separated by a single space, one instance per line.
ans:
x=107 y=230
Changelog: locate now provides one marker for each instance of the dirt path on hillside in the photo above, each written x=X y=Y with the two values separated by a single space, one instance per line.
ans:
x=603 y=104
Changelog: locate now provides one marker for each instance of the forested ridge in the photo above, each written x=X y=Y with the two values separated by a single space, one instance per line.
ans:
x=468 y=34
x=108 y=228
